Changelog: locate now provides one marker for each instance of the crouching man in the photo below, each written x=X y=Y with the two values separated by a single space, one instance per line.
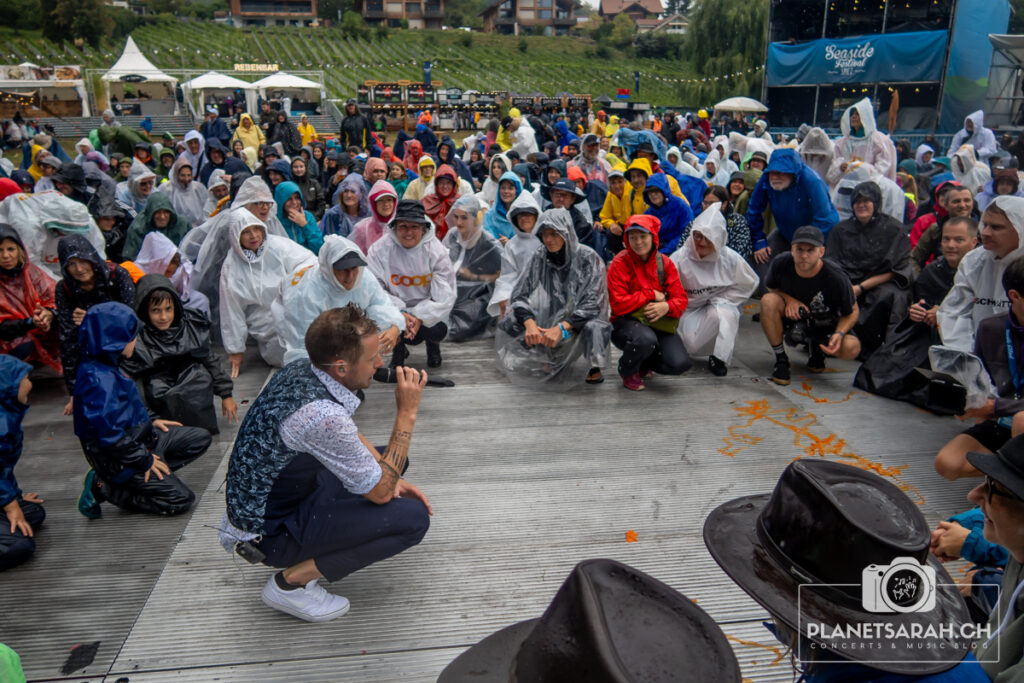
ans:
x=305 y=490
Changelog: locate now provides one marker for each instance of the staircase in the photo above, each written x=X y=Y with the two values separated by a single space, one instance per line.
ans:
x=176 y=125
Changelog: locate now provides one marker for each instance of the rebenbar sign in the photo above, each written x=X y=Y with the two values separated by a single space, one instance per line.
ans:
x=256 y=67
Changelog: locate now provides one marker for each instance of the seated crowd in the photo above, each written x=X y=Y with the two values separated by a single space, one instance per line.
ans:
x=558 y=241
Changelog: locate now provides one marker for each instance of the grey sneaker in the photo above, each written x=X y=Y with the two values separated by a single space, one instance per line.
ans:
x=311 y=603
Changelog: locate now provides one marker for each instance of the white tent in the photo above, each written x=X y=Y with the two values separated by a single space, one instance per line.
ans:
x=217 y=83
x=133 y=67
x=285 y=81
x=295 y=87
x=745 y=104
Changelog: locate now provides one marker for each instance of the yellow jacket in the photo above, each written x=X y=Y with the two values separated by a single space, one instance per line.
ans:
x=617 y=209
x=308 y=132
x=251 y=136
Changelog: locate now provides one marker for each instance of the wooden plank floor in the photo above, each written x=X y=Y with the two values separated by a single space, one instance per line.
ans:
x=524 y=485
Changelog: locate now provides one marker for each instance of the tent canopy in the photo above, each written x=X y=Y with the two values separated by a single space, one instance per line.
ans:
x=212 y=80
x=745 y=104
x=133 y=63
x=1011 y=45
x=285 y=80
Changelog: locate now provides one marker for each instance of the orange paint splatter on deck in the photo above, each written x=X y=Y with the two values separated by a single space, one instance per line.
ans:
x=777 y=651
x=807 y=391
x=807 y=443
x=630 y=536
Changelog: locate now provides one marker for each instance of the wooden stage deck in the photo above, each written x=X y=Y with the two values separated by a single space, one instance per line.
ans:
x=524 y=485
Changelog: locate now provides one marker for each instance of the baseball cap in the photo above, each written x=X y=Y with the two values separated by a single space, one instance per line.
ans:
x=808 y=234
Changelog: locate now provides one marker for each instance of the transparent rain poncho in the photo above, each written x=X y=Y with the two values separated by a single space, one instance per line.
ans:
x=42 y=219
x=214 y=241
x=568 y=286
x=476 y=260
x=894 y=201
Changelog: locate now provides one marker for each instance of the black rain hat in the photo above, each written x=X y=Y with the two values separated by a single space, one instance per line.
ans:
x=1006 y=465
x=607 y=622
x=411 y=211
x=565 y=185
x=825 y=527
x=352 y=259
x=808 y=234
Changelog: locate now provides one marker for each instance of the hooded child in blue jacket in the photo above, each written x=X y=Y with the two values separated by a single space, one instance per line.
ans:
x=20 y=514
x=674 y=213
x=133 y=457
x=797 y=197
x=300 y=224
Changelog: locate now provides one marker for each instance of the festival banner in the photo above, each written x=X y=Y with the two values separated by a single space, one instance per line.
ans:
x=891 y=57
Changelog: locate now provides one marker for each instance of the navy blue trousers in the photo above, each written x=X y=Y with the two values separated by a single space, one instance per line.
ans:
x=16 y=548
x=344 y=532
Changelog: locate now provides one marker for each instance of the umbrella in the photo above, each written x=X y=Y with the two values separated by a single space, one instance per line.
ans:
x=745 y=104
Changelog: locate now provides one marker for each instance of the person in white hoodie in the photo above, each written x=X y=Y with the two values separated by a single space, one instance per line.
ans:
x=977 y=291
x=188 y=195
x=862 y=141
x=415 y=269
x=717 y=281
x=968 y=171
x=975 y=133
x=518 y=251
x=135 y=191
x=340 y=279
x=159 y=255
x=250 y=279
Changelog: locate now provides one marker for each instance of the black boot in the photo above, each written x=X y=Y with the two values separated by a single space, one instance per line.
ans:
x=433 y=354
x=399 y=354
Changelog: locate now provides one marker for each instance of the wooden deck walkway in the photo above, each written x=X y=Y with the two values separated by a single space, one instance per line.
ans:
x=524 y=485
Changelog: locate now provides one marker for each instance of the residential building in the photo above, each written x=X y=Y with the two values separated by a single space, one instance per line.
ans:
x=272 y=12
x=675 y=23
x=419 y=13
x=636 y=9
x=513 y=17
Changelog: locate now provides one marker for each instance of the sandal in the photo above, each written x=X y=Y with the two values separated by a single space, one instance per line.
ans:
x=594 y=376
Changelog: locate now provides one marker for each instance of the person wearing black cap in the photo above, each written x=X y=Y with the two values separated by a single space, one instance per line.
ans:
x=563 y=194
x=607 y=622
x=804 y=287
x=416 y=270
x=69 y=180
x=839 y=557
x=758 y=161
x=589 y=160
x=1001 y=497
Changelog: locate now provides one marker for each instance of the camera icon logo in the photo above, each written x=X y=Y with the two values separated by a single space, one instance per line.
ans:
x=904 y=585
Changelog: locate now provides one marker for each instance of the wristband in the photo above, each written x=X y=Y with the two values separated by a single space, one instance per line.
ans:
x=841 y=334
x=565 y=332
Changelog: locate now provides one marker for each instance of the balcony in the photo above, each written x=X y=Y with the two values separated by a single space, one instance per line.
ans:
x=564 y=20
x=413 y=9
x=374 y=10
x=504 y=20
x=433 y=12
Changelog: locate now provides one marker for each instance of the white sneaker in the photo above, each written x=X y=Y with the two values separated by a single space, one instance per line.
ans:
x=311 y=603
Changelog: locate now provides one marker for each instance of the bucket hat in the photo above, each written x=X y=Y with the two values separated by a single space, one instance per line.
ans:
x=850 y=538
x=607 y=622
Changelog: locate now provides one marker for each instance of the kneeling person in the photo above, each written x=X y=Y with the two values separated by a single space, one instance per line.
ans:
x=305 y=488
x=717 y=281
x=133 y=457
x=803 y=286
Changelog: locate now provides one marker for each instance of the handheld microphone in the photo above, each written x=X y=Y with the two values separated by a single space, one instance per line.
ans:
x=388 y=376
